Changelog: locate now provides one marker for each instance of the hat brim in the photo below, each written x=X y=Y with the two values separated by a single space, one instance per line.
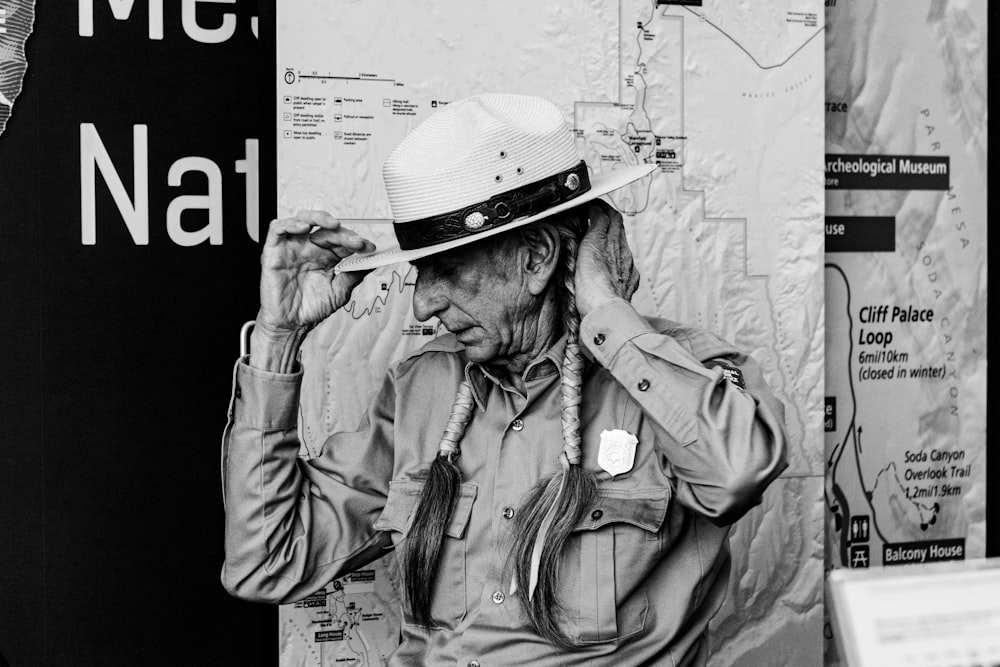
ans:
x=599 y=186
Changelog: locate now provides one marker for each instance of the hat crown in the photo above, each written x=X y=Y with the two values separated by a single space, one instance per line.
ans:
x=474 y=149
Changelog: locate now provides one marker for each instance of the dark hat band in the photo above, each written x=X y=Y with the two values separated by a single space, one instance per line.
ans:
x=496 y=211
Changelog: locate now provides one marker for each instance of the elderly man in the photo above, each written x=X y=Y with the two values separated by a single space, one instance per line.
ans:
x=576 y=508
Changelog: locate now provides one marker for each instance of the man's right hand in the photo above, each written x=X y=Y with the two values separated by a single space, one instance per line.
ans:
x=298 y=285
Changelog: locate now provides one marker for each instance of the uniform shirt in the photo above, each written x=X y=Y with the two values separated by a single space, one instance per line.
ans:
x=648 y=565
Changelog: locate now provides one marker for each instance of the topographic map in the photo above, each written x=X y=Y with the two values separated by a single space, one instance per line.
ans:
x=16 y=20
x=727 y=98
x=905 y=282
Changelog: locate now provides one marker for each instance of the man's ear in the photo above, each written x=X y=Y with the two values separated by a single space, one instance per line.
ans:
x=540 y=256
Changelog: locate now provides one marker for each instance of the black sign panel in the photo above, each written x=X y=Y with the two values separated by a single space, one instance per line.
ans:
x=930 y=551
x=130 y=172
x=860 y=234
x=887 y=172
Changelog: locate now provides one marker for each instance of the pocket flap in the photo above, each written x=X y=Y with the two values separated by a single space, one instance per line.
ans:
x=643 y=508
x=401 y=505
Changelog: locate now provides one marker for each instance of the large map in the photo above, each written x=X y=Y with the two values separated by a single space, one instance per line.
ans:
x=905 y=282
x=725 y=97
x=16 y=20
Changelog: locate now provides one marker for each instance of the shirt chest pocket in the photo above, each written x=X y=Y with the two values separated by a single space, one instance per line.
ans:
x=607 y=560
x=448 y=601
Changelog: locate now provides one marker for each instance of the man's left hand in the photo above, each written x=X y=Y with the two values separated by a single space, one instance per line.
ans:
x=604 y=266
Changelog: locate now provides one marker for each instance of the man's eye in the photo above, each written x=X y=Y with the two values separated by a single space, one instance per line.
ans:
x=435 y=269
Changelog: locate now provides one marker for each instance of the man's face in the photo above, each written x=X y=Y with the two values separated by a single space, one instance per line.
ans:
x=479 y=295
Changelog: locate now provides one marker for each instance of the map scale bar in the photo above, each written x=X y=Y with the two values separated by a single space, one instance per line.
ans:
x=343 y=78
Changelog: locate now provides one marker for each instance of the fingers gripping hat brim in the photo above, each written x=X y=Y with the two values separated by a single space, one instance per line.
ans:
x=599 y=186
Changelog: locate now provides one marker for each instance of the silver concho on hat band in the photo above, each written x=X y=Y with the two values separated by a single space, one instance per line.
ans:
x=572 y=182
x=475 y=220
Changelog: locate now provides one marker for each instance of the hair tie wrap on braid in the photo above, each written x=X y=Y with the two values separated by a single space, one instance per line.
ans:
x=557 y=504
x=433 y=513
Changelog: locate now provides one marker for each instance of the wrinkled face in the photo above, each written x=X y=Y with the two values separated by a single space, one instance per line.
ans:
x=479 y=295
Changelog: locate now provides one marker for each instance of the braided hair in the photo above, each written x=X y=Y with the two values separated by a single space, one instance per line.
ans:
x=433 y=513
x=556 y=504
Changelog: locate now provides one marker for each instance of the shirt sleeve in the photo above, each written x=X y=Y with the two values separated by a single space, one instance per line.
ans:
x=293 y=525
x=723 y=443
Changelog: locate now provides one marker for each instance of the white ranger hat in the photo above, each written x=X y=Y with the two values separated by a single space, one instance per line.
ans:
x=481 y=166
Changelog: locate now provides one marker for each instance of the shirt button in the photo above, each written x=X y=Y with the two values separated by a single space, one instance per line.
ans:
x=599 y=339
x=508 y=512
x=239 y=392
x=498 y=597
x=473 y=663
x=517 y=424
x=643 y=384
x=596 y=514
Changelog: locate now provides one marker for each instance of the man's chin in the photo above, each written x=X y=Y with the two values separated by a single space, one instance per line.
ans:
x=477 y=352
x=468 y=337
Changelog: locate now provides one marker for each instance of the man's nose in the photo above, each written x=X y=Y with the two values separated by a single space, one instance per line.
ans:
x=428 y=299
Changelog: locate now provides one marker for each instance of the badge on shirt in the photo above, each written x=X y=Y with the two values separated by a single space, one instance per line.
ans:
x=617 y=452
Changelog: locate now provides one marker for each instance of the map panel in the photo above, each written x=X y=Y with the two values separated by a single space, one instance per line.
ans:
x=727 y=233
x=905 y=275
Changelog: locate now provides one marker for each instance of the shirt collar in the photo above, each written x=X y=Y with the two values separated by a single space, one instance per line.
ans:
x=549 y=363
x=478 y=379
x=553 y=356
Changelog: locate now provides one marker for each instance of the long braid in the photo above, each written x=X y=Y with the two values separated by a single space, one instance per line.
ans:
x=572 y=380
x=557 y=504
x=433 y=513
